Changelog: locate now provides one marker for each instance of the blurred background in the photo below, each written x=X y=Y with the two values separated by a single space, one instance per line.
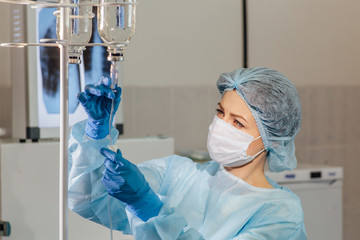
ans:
x=181 y=47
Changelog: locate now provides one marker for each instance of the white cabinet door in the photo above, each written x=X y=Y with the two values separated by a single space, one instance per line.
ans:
x=30 y=188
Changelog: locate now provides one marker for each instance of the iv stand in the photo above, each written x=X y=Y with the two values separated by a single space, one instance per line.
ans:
x=63 y=44
x=64 y=121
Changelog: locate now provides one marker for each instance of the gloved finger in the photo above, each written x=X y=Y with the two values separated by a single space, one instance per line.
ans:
x=85 y=100
x=99 y=91
x=118 y=152
x=112 y=181
x=111 y=166
x=122 y=161
x=105 y=179
x=105 y=81
x=118 y=93
x=108 y=184
x=108 y=154
x=116 y=157
x=109 y=177
x=83 y=97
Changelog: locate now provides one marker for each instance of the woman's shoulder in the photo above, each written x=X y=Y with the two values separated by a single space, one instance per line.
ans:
x=284 y=191
x=283 y=202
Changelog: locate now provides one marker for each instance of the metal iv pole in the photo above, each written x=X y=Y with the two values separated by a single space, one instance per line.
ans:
x=64 y=121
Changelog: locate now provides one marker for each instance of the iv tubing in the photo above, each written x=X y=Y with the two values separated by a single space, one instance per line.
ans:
x=115 y=82
x=111 y=143
x=114 y=76
x=110 y=218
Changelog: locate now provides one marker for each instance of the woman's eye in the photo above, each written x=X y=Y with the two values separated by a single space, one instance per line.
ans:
x=219 y=112
x=238 y=124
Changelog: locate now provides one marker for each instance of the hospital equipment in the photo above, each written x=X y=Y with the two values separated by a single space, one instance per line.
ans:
x=73 y=24
x=80 y=28
x=319 y=188
x=116 y=27
x=274 y=102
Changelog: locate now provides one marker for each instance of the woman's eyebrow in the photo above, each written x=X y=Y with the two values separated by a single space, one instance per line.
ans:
x=232 y=114
x=238 y=117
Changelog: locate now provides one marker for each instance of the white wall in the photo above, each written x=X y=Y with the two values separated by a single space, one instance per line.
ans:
x=314 y=42
x=191 y=42
x=4 y=52
x=176 y=43
x=186 y=42
x=5 y=74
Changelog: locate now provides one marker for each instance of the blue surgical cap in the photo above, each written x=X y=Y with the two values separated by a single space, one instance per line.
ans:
x=275 y=105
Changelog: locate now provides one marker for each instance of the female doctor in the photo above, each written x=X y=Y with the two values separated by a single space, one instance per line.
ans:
x=174 y=198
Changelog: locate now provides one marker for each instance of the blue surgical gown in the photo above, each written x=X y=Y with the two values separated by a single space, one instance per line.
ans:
x=200 y=201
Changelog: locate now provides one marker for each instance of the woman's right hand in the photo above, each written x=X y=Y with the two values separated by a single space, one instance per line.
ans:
x=97 y=100
x=124 y=181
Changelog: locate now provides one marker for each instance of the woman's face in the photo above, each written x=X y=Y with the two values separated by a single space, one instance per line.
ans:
x=233 y=110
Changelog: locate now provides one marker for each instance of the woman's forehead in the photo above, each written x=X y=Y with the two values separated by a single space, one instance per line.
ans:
x=233 y=103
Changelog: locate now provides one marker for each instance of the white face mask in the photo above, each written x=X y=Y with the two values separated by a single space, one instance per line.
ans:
x=228 y=145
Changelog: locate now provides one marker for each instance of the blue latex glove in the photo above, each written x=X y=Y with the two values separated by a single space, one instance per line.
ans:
x=96 y=100
x=124 y=181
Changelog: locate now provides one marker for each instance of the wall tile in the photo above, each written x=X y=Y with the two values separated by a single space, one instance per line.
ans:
x=351 y=175
x=303 y=137
x=127 y=100
x=351 y=221
x=152 y=111
x=330 y=115
x=351 y=191
x=319 y=110
x=5 y=110
x=316 y=110
x=333 y=110
x=337 y=116
x=213 y=98
x=190 y=117
x=302 y=154
x=351 y=117
x=326 y=154
x=327 y=115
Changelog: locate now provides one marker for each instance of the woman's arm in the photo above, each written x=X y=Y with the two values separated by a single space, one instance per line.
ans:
x=87 y=196
x=177 y=175
x=168 y=225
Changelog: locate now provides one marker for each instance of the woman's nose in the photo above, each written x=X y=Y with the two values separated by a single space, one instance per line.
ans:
x=226 y=118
